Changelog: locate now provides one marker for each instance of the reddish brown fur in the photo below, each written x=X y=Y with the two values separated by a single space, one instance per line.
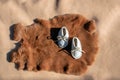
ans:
x=40 y=52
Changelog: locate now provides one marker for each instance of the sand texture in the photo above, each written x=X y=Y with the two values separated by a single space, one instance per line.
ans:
x=106 y=14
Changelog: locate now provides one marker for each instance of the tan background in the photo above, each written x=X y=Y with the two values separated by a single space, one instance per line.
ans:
x=105 y=12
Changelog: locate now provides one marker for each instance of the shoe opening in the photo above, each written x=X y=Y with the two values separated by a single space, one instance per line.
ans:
x=64 y=32
x=75 y=42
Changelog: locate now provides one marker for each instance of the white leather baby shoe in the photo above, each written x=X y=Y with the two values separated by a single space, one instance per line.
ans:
x=62 y=37
x=76 y=48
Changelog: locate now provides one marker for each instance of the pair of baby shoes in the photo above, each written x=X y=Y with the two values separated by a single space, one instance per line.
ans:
x=63 y=37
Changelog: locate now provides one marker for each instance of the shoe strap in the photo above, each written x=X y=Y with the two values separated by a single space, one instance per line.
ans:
x=62 y=38
x=77 y=49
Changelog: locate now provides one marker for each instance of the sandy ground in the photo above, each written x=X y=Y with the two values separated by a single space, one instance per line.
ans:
x=105 y=12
